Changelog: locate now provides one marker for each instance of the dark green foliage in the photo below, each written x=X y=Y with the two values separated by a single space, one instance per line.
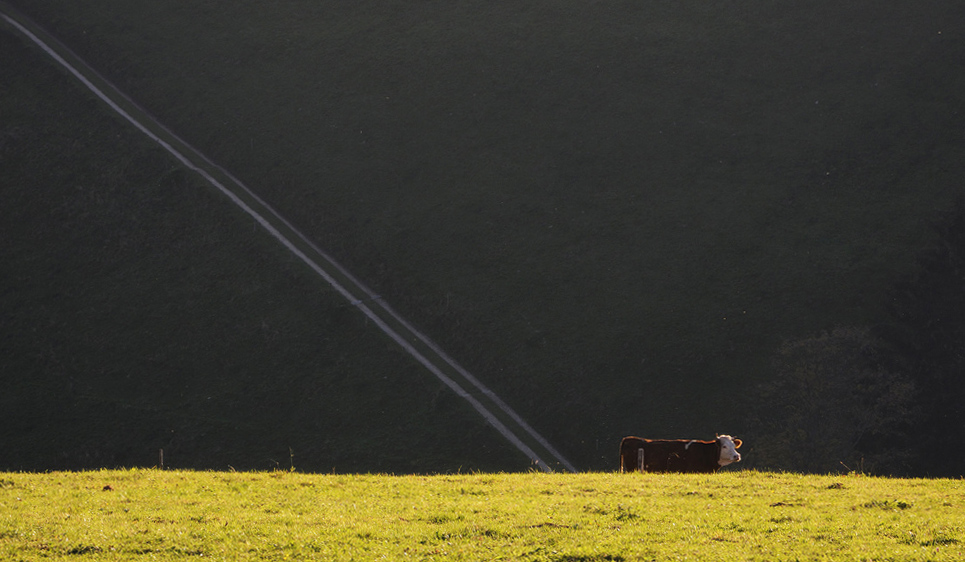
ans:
x=611 y=213
x=833 y=406
x=139 y=311
x=889 y=402
x=927 y=333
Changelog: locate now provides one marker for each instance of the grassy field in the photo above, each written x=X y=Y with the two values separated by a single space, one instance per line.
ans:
x=611 y=213
x=167 y=515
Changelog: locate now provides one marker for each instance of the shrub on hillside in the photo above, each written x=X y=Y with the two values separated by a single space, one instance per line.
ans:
x=831 y=406
x=927 y=339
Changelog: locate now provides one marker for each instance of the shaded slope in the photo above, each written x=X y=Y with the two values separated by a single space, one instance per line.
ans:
x=611 y=212
x=141 y=311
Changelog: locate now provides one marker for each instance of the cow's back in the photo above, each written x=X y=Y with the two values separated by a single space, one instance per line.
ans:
x=669 y=455
x=697 y=456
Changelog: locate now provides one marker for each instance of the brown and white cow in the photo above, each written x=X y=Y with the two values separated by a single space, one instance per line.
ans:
x=678 y=455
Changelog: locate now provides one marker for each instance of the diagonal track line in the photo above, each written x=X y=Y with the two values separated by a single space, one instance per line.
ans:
x=493 y=409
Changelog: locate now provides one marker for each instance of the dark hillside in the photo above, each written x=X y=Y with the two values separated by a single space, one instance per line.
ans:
x=140 y=311
x=611 y=212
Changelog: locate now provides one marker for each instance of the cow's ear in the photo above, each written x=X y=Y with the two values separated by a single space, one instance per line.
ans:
x=737 y=443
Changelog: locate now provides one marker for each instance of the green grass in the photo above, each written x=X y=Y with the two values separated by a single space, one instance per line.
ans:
x=166 y=515
x=611 y=213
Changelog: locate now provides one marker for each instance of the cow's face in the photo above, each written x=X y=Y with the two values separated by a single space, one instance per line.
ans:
x=728 y=450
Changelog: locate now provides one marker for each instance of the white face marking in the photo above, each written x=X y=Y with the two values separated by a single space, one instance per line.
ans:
x=728 y=451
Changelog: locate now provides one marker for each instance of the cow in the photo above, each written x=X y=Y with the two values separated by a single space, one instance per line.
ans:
x=678 y=455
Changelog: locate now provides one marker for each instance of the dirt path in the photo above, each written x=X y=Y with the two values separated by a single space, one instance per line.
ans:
x=493 y=409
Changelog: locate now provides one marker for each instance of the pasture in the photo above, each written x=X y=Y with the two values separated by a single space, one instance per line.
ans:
x=734 y=515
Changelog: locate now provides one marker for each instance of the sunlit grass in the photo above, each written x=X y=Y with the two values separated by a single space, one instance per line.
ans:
x=151 y=514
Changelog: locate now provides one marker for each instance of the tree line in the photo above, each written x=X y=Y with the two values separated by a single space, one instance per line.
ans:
x=885 y=399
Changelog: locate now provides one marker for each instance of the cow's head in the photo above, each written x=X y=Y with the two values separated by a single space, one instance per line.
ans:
x=728 y=450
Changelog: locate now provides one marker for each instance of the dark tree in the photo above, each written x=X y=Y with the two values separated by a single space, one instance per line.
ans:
x=831 y=407
x=927 y=334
